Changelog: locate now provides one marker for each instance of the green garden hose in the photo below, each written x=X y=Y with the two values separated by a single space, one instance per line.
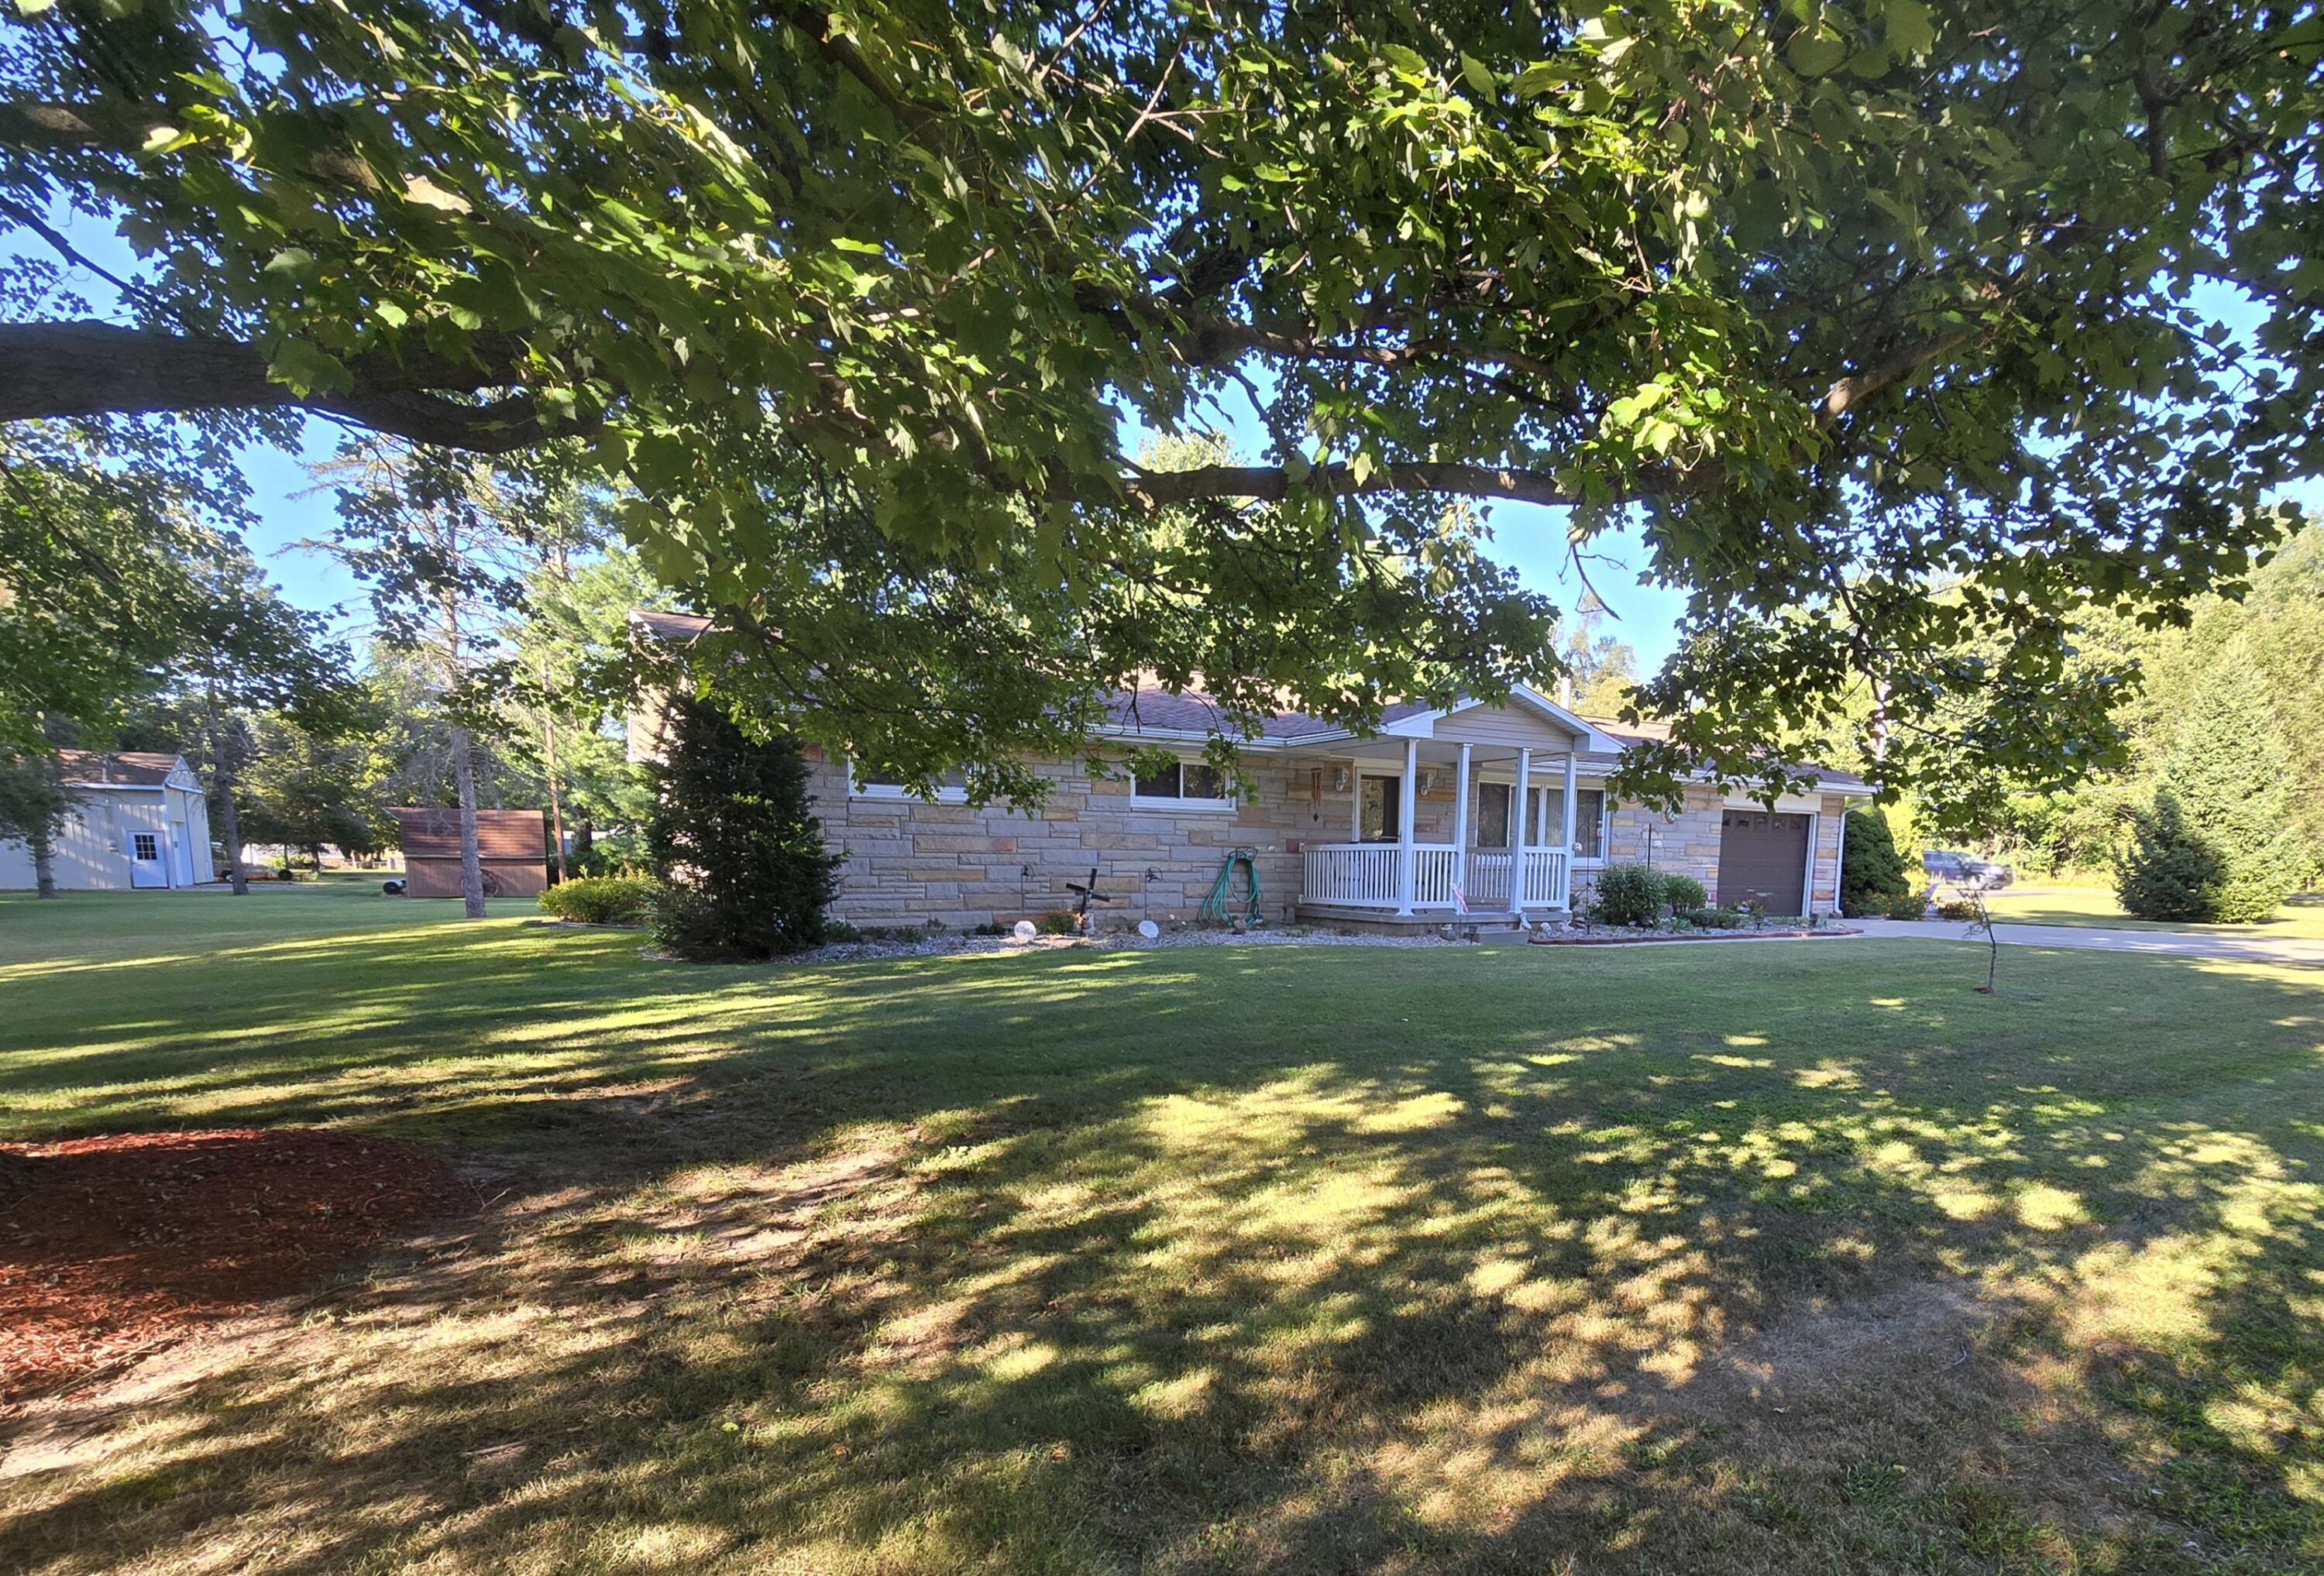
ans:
x=1215 y=907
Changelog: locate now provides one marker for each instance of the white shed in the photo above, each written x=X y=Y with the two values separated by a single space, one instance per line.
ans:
x=140 y=819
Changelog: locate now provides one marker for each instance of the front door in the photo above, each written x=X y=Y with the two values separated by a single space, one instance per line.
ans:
x=145 y=867
x=1378 y=818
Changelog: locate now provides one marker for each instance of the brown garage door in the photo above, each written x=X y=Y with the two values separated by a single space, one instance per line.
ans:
x=1765 y=855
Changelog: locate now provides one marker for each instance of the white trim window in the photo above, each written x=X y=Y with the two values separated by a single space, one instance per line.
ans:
x=1545 y=812
x=1589 y=825
x=952 y=788
x=1493 y=813
x=1183 y=785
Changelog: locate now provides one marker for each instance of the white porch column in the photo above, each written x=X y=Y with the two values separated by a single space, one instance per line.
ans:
x=1405 y=806
x=1519 y=844
x=1573 y=788
x=1460 y=824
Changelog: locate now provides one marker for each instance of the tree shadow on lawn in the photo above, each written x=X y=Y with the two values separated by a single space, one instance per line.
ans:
x=1836 y=1265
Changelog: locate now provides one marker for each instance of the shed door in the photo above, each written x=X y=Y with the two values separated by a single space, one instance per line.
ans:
x=181 y=842
x=1764 y=854
x=146 y=851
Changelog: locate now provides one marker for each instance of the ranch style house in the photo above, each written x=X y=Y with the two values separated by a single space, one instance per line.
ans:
x=1474 y=815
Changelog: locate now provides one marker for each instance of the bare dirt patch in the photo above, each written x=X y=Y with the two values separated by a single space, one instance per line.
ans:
x=115 y=1245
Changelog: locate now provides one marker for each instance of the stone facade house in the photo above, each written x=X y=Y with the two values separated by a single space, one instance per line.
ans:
x=1476 y=815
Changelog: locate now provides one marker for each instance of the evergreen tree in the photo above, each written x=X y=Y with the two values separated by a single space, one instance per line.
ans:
x=2228 y=784
x=2170 y=871
x=744 y=870
x=1871 y=871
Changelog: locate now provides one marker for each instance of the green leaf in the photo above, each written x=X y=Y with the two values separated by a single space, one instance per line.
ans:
x=308 y=369
x=1815 y=54
x=1910 y=32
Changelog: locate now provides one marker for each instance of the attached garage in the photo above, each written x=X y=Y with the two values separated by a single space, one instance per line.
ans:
x=1763 y=854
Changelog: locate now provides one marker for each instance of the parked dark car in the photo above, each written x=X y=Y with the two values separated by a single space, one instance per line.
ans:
x=1948 y=868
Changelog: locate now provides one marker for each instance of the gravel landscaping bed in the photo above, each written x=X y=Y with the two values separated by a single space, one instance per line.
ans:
x=1631 y=934
x=949 y=944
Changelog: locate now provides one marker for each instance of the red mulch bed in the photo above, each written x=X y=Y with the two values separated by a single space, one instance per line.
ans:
x=111 y=1246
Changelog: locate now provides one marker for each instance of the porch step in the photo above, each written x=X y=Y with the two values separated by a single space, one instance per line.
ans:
x=1374 y=922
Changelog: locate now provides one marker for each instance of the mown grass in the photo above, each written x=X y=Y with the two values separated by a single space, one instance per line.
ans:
x=1743 y=1259
x=2300 y=919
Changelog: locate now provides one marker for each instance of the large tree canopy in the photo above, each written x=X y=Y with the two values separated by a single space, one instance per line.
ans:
x=1845 y=298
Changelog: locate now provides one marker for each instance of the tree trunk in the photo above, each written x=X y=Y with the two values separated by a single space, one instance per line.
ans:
x=229 y=817
x=556 y=800
x=472 y=865
x=44 y=863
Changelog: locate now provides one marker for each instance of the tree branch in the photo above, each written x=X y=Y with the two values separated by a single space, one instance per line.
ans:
x=107 y=123
x=92 y=369
x=1161 y=489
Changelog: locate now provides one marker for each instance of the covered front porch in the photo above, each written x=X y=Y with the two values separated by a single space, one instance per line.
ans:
x=1468 y=815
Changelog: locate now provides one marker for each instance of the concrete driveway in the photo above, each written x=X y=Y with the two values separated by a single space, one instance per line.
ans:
x=2191 y=943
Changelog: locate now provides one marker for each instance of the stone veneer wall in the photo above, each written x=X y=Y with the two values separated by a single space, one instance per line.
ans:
x=909 y=861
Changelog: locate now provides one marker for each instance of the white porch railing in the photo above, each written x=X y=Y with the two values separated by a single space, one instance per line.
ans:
x=1544 y=882
x=1369 y=875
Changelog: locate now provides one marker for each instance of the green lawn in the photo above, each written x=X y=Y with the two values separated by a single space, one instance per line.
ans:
x=1752 y=1258
x=2302 y=918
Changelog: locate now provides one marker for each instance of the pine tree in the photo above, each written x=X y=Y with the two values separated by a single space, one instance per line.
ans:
x=1871 y=871
x=2228 y=785
x=744 y=870
x=2169 y=871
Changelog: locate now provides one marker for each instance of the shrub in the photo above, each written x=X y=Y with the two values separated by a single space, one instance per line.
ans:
x=744 y=868
x=1684 y=893
x=1716 y=919
x=2170 y=871
x=600 y=899
x=1058 y=922
x=1632 y=894
x=1959 y=911
x=1908 y=904
x=1872 y=876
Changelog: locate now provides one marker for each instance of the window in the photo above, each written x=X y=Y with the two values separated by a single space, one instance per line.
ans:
x=1589 y=824
x=1183 y=785
x=952 y=788
x=146 y=846
x=1493 y=815
x=1545 y=820
x=1380 y=809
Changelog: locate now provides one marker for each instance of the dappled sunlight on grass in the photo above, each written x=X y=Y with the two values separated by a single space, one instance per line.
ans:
x=1287 y=1259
